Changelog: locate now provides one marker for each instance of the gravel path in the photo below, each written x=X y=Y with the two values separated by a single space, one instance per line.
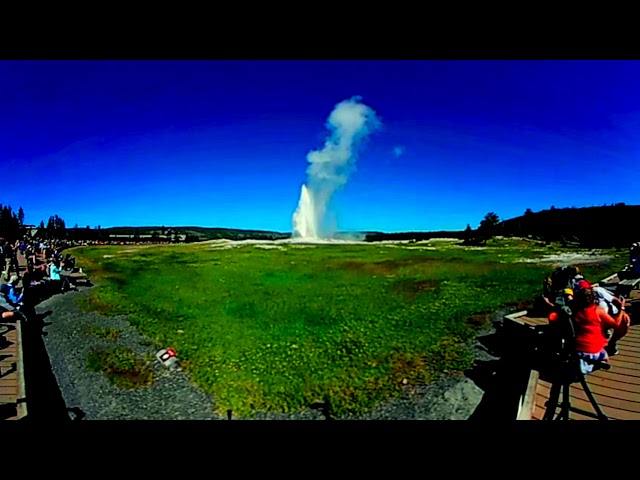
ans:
x=172 y=396
x=69 y=342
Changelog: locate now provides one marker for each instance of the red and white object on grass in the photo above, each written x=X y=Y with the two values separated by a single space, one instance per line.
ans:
x=168 y=358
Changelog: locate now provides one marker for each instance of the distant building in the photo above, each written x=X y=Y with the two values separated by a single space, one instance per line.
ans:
x=146 y=238
x=30 y=231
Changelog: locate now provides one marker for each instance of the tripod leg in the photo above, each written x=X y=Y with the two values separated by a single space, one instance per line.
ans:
x=592 y=399
x=566 y=402
x=552 y=403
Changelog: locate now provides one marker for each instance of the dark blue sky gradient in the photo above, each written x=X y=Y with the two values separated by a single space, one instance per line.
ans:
x=224 y=143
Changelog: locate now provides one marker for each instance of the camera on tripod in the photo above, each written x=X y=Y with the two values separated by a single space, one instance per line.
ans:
x=560 y=363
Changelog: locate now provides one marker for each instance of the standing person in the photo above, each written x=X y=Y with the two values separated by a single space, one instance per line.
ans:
x=16 y=263
x=2 y=242
x=553 y=286
x=32 y=253
x=41 y=251
x=56 y=254
x=10 y=259
x=592 y=323
x=634 y=257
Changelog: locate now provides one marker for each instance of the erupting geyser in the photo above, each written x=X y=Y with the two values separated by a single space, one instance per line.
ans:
x=350 y=123
x=305 y=219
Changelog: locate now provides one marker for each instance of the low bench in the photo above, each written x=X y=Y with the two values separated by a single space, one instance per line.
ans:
x=77 y=277
x=625 y=287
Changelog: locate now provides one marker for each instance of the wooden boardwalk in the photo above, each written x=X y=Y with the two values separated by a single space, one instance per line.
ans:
x=617 y=391
x=13 y=404
x=12 y=387
x=13 y=400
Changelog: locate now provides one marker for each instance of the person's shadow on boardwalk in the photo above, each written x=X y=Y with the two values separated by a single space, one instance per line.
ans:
x=43 y=396
x=503 y=380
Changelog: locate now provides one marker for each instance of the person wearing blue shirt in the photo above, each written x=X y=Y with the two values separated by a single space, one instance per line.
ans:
x=9 y=290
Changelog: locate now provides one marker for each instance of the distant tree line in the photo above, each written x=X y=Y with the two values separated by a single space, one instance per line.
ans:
x=590 y=227
x=11 y=223
x=607 y=226
x=604 y=226
x=12 y=228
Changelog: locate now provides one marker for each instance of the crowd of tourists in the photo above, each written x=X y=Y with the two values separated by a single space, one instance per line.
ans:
x=599 y=317
x=45 y=271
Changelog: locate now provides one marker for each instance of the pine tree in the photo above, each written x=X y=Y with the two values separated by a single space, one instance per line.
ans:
x=468 y=232
x=488 y=226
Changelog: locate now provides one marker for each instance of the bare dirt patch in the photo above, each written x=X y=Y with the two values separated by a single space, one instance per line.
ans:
x=386 y=267
x=570 y=258
x=479 y=320
x=411 y=288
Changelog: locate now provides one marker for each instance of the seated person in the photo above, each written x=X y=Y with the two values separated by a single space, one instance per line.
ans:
x=32 y=284
x=592 y=323
x=40 y=273
x=8 y=312
x=69 y=263
x=57 y=279
x=606 y=299
x=10 y=291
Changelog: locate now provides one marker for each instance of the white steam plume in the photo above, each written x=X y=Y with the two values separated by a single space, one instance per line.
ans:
x=350 y=123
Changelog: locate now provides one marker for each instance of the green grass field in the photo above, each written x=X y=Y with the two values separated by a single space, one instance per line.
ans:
x=277 y=329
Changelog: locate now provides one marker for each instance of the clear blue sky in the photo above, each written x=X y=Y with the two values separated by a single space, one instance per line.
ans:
x=224 y=143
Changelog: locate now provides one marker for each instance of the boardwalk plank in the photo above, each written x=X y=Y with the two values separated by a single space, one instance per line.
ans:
x=617 y=391
x=618 y=409
x=12 y=384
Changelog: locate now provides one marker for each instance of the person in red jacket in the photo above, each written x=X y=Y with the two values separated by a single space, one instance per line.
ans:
x=592 y=323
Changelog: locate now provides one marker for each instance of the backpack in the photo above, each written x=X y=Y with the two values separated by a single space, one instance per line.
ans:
x=557 y=338
x=561 y=278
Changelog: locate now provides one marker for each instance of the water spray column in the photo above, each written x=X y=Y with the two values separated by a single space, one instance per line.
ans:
x=305 y=221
